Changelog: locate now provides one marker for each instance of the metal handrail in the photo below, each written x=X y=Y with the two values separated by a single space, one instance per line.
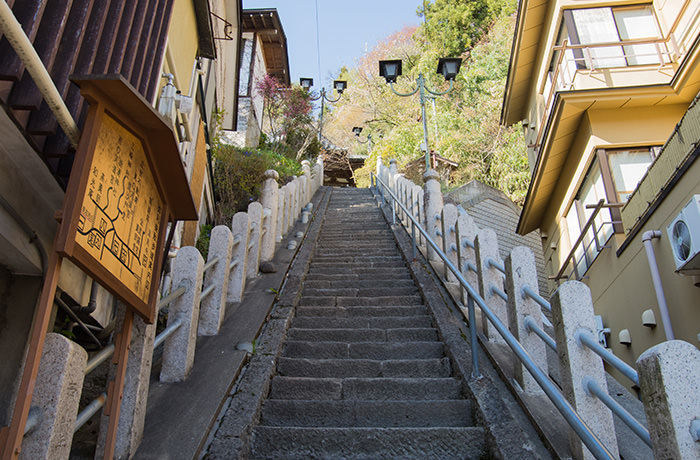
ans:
x=592 y=442
x=167 y=332
x=209 y=289
x=528 y=291
x=628 y=419
x=585 y=338
x=90 y=410
x=170 y=297
x=99 y=358
x=210 y=264
x=531 y=325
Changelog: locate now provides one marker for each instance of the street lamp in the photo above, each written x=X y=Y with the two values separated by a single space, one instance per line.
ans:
x=338 y=85
x=356 y=131
x=448 y=67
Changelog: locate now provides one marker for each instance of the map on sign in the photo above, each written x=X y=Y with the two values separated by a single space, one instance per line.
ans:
x=120 y=216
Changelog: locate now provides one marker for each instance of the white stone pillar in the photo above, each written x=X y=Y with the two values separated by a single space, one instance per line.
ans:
x=419 y=196
x=279 y=230
x=288 y=207
x=521 y=271
x=379 y=166
x=490 y=278
x=433 y=209
x=268 y=200
x=240 y=228
x=393 y=171
x=572 y=312
x=306 y=169
x=178 y=351
x=669 y=379
x=449 y=239
x=466 y=234
x=132 y=411
x=255 y=215
x=213 y=308
x=57 y=395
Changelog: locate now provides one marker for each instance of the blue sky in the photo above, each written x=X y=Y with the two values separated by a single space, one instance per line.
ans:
x=346 y=30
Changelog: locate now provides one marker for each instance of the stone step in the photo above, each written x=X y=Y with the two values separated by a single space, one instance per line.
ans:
x=363 y=350
x=357 y=258
x=365 y=271
x=380 y=389
x=358 y=284
x=386 y=291
x=364 y=368
x=303 y=443
x=360 y=322
x=343 y=301
x=386 y=278
x=353 y=311
x=363 y=335
x=308 y=413
x=329 y=267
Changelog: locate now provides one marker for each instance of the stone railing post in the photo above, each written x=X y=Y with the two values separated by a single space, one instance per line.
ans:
x=379 y=166
x=281 y=201
x=418 y=196
x=240 y=228
x=213 y=308
x=132 y=411
x=319 y=162
x=449 y=239
x=288 y=206
x=669 y=379
x=490 y=280
x=521 y=271
x=466 y=234
x=57 y=395
x=255 y=215
x=306 y=168
x=178 y=351
x=572 y=311
x=433 y=209
x=268 y=200
x=393 y=171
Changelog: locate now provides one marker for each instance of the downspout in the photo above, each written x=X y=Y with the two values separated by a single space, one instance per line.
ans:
x=656 y=279
x=25 y=50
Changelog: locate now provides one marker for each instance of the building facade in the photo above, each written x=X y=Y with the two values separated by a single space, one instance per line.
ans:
x=167 y=51
x=605 y=92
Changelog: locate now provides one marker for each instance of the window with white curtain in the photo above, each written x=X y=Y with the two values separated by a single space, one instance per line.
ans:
x=608 y=26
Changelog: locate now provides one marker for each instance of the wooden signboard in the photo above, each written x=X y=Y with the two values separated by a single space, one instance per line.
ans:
x=119 y=201
x=126 y=184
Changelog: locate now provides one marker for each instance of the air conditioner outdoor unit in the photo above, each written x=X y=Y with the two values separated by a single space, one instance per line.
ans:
x=684 y=236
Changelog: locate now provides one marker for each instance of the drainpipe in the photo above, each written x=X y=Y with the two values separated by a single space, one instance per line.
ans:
x=25 y=50
x=656 y=279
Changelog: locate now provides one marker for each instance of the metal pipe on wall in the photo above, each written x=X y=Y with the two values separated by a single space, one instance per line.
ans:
x=656 y=279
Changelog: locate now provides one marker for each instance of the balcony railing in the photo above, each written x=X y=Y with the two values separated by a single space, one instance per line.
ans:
x=571 y=60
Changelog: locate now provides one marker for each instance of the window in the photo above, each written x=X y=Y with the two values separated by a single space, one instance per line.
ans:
x=613 y=176
x=609 y=25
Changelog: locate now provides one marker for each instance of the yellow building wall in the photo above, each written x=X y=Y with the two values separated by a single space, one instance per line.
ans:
x=189 y=236
x=182 y=43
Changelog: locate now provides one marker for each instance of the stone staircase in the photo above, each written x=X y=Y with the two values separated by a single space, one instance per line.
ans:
x=363 y=373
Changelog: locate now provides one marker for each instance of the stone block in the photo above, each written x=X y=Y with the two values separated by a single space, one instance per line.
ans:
x=669 y=378
x=178 y=352
x=255 y=215
x=268 y=200
x=240 y=229
x=57 y=395
x=212 y=310
x=486 y=245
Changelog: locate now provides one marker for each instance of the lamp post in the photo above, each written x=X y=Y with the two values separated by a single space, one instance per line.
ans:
x=448 y=67
x=338 y=85
x=356 y=131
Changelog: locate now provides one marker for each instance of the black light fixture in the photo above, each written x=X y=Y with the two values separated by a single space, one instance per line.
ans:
x=306 y=83
x=390 y=69
x=449 y=67
x=340 y=85
x=357 y=130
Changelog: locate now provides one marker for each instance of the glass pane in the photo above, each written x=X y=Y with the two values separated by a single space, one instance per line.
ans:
x=627 y=168
x=597 y=25
x=638 y=23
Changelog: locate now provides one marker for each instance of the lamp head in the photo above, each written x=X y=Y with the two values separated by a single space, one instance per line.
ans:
x=306 y=83
x=390 y=69
x=449 y=67
x=340 y=85
x=357 y=130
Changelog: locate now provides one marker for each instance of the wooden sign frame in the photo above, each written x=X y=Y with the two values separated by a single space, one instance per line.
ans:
x=118 y=111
